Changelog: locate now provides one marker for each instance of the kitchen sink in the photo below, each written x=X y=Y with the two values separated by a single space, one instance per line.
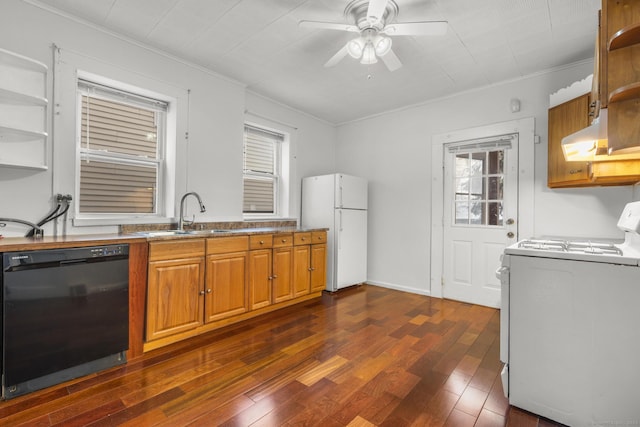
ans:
x=161 y=233
x=207 y=232
x=164 y=233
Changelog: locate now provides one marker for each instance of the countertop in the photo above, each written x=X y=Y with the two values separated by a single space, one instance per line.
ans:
x=12 y=244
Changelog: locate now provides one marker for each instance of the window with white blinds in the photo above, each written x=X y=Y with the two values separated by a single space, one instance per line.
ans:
x=121 y=151
x=261 y=170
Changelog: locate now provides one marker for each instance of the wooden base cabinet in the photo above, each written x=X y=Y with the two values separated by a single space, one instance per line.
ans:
x=226 y=292
x=198 y=285
x=302 y=269
x=310 y=262
x=174 y=285
x=270 y=269
x=260 y=263
x=319 y=265
x=282 y=273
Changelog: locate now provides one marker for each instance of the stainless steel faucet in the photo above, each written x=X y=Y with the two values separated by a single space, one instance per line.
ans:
x=182 y=221
x=38 y=233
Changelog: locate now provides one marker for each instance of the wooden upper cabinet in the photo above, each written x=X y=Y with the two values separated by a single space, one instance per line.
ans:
x=621 y=25
x=565 y=119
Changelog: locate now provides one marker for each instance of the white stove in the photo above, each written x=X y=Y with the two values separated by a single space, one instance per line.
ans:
x=570 y=326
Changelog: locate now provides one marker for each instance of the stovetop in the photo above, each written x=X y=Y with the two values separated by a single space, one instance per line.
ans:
x=585 y=247
x=577 y=250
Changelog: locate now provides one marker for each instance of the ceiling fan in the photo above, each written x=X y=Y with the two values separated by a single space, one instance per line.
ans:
x=372 y=20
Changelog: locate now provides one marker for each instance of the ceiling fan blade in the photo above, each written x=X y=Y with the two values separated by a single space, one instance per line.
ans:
x=375 y=12
x=328 y=26
x=391 y=61
x=425 y=28
x=337 y=57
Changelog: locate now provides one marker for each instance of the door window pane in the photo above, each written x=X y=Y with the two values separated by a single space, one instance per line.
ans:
x=479 y=188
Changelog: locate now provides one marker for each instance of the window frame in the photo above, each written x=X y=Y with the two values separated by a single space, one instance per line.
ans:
x=165 y=148
x=280 y=176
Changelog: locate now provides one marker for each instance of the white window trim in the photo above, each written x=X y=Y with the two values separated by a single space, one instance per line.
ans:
x=283 y=182
x=166 y=173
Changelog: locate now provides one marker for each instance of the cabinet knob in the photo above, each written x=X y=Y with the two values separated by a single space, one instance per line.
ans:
x=302 y=239
x=201 y=292
x=262 y=242
x=284 y=240
x=310 y=269
x=208 y=291
x=274 y=277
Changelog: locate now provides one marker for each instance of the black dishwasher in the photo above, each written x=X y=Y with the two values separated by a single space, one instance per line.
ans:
x=65 y=313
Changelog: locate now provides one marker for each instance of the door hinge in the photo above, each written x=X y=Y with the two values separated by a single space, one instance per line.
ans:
x=442 y=281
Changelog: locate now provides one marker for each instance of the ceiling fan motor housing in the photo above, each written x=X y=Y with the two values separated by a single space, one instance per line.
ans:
x=356 y=12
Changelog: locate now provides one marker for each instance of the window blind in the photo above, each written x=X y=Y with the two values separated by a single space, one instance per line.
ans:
x=121 y=150
x=490 y=144
x=260 y=166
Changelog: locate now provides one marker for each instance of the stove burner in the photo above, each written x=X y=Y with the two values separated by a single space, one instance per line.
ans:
x=572 y=246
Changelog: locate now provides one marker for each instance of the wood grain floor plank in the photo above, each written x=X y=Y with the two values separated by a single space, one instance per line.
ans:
x=363 y=356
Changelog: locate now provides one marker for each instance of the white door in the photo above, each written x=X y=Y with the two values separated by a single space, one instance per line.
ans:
x=351 y=247
x=480 y=208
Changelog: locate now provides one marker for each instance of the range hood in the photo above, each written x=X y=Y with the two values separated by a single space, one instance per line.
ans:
x=591 y=144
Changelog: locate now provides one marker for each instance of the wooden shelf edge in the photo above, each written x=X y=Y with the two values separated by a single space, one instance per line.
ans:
x=625 y=93
x=627 y=36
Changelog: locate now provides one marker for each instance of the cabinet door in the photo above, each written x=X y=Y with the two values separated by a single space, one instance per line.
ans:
x=565 y=119
x=225 y=286
x=282 y=272
x=259 y=278
x=301 y=270
x=174 y=302
x=318 y=267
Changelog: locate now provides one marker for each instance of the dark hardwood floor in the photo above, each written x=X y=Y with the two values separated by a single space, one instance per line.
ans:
x=362 y=357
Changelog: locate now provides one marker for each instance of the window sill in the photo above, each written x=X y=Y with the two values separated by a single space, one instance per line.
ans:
x=89 y=222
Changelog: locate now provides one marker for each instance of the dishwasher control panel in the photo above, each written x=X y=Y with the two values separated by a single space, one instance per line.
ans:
x=108 y=250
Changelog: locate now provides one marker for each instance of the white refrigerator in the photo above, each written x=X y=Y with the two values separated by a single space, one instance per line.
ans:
x=338 y=202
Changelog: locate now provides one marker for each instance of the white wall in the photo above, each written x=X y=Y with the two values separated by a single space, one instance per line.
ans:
x=393 y=151
x=209 y=162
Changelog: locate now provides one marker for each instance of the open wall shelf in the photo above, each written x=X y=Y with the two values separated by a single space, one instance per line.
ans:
x=23 y=112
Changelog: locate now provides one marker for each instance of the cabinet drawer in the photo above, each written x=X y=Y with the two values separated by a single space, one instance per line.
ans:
x=174 y=249
x=225 y=245
x=281 y=240
x=318 y=237
x=302 y=239
x=261 y=241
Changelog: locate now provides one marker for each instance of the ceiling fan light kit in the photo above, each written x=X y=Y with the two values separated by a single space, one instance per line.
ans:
x=370 y=19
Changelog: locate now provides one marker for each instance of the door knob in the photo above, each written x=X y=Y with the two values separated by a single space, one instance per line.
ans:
x=510 y=235
x=510 y=221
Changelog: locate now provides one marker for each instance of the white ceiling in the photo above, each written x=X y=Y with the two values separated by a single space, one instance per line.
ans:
x=259 y=43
